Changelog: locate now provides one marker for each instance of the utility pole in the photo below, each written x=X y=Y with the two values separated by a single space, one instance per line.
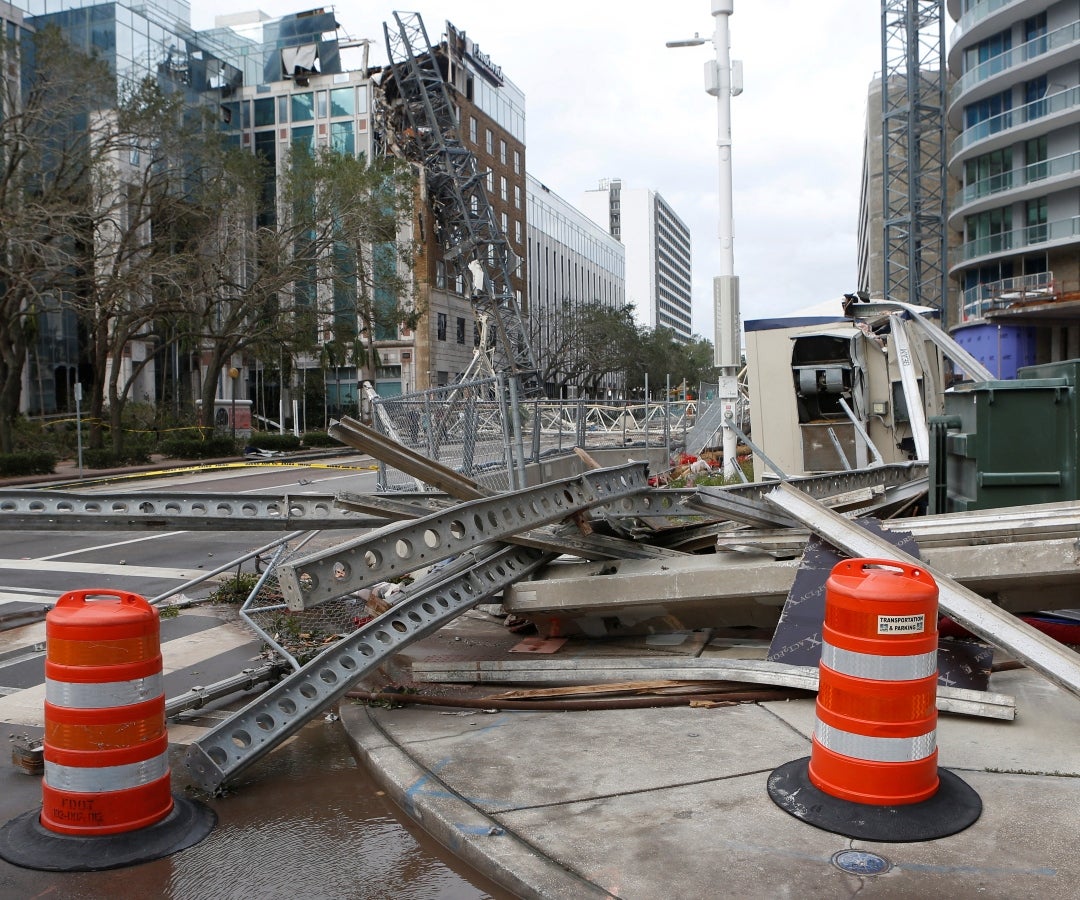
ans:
x=724 y=81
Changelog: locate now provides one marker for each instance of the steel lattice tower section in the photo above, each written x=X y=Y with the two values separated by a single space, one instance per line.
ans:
x=464 y=220
x=914 y=150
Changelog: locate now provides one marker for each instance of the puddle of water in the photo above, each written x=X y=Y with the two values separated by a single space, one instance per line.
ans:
x=306 y=821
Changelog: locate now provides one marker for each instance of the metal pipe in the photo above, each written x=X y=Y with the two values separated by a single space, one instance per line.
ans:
x=225 y=568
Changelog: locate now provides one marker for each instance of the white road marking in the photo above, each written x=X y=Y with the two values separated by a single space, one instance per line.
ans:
x=89 y=568
x=134 y=540
x=27 y=707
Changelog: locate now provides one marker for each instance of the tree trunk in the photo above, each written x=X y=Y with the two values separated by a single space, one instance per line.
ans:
x=10 y=391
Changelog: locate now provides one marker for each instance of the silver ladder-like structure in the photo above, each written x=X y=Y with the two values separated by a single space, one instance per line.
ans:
x=473 y=243
x=471 y=536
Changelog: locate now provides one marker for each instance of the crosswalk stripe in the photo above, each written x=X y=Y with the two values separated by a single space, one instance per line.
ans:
x=89 y=568
x=26 y=707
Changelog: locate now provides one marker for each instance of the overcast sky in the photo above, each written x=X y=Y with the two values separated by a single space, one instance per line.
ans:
x=606 y=99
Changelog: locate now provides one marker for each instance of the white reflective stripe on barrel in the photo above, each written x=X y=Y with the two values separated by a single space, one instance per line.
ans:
x=102 y=695
x=875 y=749
x=106 y=778
x=879 y=668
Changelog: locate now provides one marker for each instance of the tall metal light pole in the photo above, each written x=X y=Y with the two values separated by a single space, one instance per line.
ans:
x=723 y=81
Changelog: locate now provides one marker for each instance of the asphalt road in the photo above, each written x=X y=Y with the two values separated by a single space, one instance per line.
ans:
x=308 y=821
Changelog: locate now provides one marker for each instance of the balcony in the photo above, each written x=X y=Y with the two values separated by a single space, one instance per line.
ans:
x=1045 y=177
x=978 y=22
x=983 y=298
x=1019 y=240
x=1046 y=49
x=1037 y=117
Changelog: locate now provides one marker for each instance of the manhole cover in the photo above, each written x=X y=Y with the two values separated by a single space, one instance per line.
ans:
x=859 y=862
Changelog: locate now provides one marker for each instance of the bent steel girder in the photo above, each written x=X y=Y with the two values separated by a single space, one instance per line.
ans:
x=402 y=548
x=285 y=708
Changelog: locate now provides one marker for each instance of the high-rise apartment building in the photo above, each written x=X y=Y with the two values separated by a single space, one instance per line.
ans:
x=658 y=252
x=1014 y=108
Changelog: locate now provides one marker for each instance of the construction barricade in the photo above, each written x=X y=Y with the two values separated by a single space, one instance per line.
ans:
x=106 y=794
x=873 y=769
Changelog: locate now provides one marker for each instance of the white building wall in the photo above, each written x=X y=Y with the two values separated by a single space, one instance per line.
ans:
x=646 y=224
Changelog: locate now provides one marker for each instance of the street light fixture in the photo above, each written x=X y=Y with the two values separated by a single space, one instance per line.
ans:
x=724 y=81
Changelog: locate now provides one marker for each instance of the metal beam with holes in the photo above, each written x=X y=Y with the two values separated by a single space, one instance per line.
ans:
x=556 y=539
x=282 y=710
x=61 y=510
x=402 y=548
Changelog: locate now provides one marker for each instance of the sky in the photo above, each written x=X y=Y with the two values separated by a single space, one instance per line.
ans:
x=605 y=98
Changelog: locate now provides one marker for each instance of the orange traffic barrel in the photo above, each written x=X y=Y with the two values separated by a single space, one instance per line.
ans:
x=106 y=748
x=875 y=739
x=872 y=772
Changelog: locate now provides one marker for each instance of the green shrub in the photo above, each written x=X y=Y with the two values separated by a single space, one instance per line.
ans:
x=270 y=440
x=179 y=447
x=106 y=458
x=30 y=462
x=319 y=439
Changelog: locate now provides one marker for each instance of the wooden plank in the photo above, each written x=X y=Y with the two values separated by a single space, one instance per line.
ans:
x=629 y=669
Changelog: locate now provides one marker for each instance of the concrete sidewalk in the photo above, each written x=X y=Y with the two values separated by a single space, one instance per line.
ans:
x=672 y=802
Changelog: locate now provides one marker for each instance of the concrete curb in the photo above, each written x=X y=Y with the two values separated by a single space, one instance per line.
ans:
x=464 y=830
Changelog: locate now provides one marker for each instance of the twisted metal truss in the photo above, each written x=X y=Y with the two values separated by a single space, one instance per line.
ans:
x=428 y=133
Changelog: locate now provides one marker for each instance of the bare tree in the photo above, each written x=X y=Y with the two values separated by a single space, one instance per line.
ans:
x=132 y=264
x=291 y=270
x=47 y=156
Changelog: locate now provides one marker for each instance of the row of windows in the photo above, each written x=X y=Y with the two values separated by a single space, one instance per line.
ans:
x=459 y=330
x=302 y=107
x=489 y=144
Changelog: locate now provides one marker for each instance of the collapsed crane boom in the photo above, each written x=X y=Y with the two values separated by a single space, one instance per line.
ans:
x=427 y=132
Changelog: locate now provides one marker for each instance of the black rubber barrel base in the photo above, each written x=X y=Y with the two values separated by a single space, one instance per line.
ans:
x=953 y=808
x=25 y=842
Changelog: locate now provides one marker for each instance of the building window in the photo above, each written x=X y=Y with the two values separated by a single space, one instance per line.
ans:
x=502 y=188
x=440 y=274
x=303 y=138
x=320 y=104
x=303 y=108
x=440 y=326
x=1035 y=159
x=264 y=112
x=517 y=162
x=517 y=196
x=472 y=129
x=1035 y=98
x=502 y=152
x=342 y=139
x=505 y=224
x=517 y=231
x=442 y=378
x=460 y=330
x=1035 y=211
x=489 y=141
x=343 y=102
x=283 y=108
